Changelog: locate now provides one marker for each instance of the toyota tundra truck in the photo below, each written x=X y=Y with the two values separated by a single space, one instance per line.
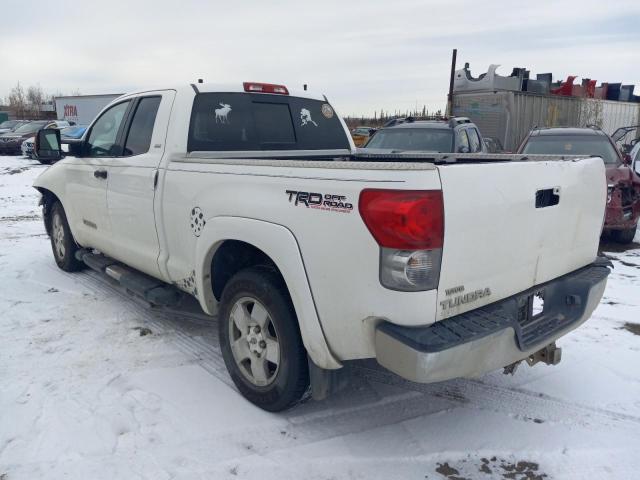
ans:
x=254 y=200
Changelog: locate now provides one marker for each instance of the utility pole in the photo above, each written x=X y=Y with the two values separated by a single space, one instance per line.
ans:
x=453 y=72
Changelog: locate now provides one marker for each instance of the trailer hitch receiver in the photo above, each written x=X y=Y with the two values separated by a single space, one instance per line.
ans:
x=551 y=355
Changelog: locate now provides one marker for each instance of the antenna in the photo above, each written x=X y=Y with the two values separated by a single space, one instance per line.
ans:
x=200 y=80
x=305 y=87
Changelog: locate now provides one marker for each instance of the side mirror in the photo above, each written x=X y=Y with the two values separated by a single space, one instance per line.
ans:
x=626 y=159
x=47 y=146
x=463 y=149
x=75 y=147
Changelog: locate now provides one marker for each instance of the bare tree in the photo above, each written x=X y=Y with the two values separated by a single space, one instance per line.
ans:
x=18 y=101
x=35 y=100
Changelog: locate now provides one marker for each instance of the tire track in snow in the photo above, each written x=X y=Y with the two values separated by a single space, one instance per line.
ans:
x=195 y=335
x=517 y=402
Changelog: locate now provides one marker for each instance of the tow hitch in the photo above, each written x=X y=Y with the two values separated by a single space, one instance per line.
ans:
x=551 y=355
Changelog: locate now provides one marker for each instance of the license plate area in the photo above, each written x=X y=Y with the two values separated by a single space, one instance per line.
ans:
x=531 y=308
x=537 y=304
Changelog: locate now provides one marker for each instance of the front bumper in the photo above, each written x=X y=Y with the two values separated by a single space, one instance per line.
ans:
x=623 y=209
x=493 y=336
x=27 y=150
x=10 y=148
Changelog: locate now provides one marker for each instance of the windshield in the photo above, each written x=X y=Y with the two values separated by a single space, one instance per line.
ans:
x=30 y=127
x=415 y=139
x=8 y=124
x=596 y=145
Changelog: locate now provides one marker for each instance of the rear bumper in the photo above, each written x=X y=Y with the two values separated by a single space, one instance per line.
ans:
x=493 y=336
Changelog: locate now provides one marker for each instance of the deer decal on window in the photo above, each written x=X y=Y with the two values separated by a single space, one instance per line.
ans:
x=222 y=114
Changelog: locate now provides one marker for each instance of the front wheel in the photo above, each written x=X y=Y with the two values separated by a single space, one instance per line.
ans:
x=62 y=242
x=624 y=236
x=260 y=340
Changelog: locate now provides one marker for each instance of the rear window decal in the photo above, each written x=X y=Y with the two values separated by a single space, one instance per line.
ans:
x=327 y=111
x=222 y=114
x=305 y=116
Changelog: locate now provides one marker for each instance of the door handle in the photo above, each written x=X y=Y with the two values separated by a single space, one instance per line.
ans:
x=100 y=174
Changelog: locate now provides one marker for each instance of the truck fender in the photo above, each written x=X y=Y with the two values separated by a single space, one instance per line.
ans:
x=51 y=183
x=281 y=246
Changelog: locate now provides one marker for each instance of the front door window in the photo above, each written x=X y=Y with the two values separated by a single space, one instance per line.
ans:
x=104 y=132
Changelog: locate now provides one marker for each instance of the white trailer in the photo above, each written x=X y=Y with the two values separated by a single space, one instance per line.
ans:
x=82 y=109
x=510 y=115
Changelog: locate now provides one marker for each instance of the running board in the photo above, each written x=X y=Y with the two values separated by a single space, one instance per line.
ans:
x=152 y=290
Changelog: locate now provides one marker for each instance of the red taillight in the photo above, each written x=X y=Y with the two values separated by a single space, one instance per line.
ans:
x=265 y=88
x=404 y=219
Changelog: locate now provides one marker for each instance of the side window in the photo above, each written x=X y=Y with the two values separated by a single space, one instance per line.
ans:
x=141 y=129
x=463 y=142
x=474 y=140
x=102 y=138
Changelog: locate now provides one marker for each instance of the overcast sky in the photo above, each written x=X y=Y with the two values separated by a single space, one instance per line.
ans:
x=363 y=55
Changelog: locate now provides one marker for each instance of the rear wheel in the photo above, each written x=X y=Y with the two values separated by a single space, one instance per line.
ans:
x=260 y=340
x=62 y=242
x=624 y=236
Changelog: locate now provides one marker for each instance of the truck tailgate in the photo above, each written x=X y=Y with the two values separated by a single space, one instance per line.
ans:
x=500 y=241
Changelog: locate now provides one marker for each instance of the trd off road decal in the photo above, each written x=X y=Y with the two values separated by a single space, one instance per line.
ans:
x=327 y=201
x=222 y=113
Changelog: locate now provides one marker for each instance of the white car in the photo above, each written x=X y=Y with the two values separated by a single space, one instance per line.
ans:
x=59 y=124
x=27 y=147
x=254 y=201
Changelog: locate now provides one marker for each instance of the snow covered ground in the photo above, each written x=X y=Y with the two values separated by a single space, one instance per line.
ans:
x=95 y=385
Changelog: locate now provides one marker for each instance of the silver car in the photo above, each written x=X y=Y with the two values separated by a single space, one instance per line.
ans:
x=27 y=147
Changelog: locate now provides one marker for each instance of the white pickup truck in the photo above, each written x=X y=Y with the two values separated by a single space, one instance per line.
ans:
x=255 y=201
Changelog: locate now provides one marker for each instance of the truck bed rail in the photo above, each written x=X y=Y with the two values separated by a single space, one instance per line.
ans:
x=445 y=158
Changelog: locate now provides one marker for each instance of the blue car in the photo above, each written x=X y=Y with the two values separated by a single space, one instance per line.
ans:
x=73 y=132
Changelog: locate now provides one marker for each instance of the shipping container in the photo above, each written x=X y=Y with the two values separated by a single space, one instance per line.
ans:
x=82 y=109
x=510 y=115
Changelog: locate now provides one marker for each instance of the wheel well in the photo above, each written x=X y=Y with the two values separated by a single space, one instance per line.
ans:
x=47 y=201
x=233 y=256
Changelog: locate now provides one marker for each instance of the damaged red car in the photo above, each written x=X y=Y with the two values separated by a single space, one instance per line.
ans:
x=623 y=201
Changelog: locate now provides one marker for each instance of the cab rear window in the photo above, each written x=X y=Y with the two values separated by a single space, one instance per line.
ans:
x=249 y=122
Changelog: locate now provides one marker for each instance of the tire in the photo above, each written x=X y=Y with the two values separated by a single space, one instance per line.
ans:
x=63 y=244
x=624 y=236
x=268 y=365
